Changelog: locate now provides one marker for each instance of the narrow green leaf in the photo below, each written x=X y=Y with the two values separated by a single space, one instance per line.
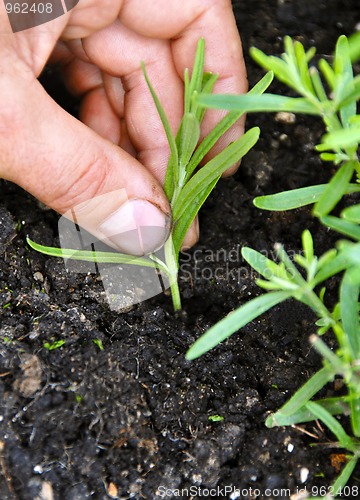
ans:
x=234 y=321
x=198 y=69
x=213 y=169
x=352 y=213
x=343 y=478
x=351 y=93
x=317 y=84
x=186 y=141
x=327 y=72
x=345 y=259
x=303 y=67
x=335 y=406
x=260 y=263
x=252 y=103
x=301 y=397
x=210 y=140
x=182 y=225
x=343 y=138
x=308 y=245
x=93 y=256
x=295 y=198
x=342 y=226
x=335 y=427
x=345 y=79
x=187 y=96
x=349 y=307
x=272 y=63
x=208 y=83
x=219 y=130
x=310 y=54
x=172 y=174
x=354 y=46
x=335 y=189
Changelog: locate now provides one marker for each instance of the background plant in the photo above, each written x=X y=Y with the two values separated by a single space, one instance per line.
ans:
x=186 y=186
x=331 y=92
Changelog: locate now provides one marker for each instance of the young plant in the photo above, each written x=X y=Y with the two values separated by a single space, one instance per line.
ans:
x=186 y=186
x=283 y=280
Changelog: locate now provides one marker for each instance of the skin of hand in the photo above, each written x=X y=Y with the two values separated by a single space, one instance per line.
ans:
x=68 y=163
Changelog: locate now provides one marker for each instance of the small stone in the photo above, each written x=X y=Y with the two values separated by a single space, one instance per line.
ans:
x=29 y=381
x=112 y=490
x=38 y=276
x=285 y=117
x=304 y=474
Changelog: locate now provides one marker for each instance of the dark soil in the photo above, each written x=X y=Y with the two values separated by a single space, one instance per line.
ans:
x=132 y=420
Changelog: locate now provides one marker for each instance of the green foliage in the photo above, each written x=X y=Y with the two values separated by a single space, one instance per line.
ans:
x=186 y=186
x=54 y=345
x=330 y=91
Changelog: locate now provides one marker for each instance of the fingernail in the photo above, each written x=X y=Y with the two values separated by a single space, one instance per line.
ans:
x=137 y=228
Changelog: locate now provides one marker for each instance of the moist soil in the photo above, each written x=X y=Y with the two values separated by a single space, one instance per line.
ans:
x=116 y=411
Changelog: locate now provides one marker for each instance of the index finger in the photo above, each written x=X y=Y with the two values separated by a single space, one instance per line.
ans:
x=223 y=56
x=183 y=23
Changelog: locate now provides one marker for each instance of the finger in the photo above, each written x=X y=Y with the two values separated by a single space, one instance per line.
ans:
x=68 y=166
x=223 y=56
x=185 y=22
x=119 y=52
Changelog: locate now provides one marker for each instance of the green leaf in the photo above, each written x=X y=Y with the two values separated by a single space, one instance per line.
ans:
x=248 y=103
x=186 y=140
x=295 y=198
x=343 y=138
x=234 y=321
x=343 y=478
x=308 y=245
x=351 y=93
x=272 y=63
x=262 y=264
x=212 y=170
x=198 y=68
x=335 y=427
x=327 y=72
x=94 y=256
x=172 y=174
x=302 y=62
x=208 y=83
x=349 y=307
x=317 y=84
x=301 y=397
x=344 y=78
x=219 y=130
x=210 y=140
x=182 y=225
x=54 y=345
x=335 y=406
x=352 y=213
x=345 y=258
x=342 y=226
x=335 y=189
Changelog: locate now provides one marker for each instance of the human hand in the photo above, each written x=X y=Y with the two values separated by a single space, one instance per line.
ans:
x=64 y=162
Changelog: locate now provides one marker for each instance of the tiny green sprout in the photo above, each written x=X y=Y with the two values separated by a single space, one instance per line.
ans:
x=78 y=398
x=54 y=345
x=99 y=344
x=216 y=418
x=5 y=306
x=186 y=186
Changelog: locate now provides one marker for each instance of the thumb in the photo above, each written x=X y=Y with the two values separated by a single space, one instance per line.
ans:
x=79 y=174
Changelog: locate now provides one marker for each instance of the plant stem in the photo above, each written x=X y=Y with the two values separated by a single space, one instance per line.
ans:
x=171 y=260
